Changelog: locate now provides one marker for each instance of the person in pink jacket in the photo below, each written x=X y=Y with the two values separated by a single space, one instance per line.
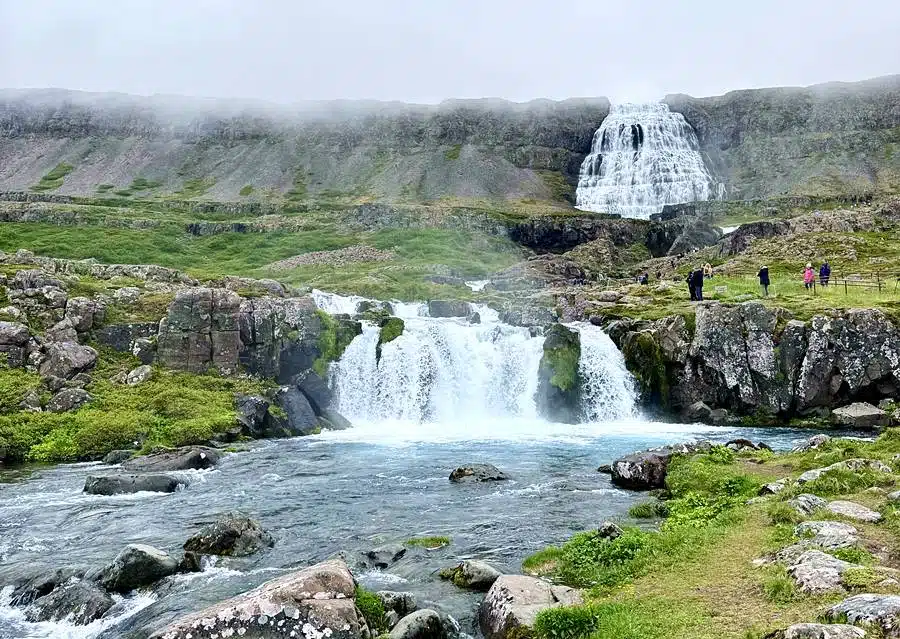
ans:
x=809 y=276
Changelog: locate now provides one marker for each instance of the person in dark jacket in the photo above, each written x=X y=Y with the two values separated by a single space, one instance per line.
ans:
x=690 y=282
x=824 y=273
x=698 y=283
x=763 y=276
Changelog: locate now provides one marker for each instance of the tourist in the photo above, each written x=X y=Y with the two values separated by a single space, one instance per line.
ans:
x=763 y=276
x=690 y=282
x=809 y=277
x=645 y=279
x=698 y=283
x=824 y=273
x=707 y=270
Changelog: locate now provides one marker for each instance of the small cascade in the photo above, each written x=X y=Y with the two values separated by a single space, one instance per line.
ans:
x=643 y=157
x=608 y=391
x=443 y=370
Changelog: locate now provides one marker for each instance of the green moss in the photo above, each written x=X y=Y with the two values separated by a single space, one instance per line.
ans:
x=391 y=329
x=53 y=179
x=778 y=586
x=860 y=578
x=650 y=509
x=453 y=152
x=194 y=187
x=246 y=190
x=14 y=384
x=372 y=609
x=143 y=184
x=854 y=555
x=334 y=339
x=562 y=352
x=429 y=543
x=559 y=186
x=644 y=358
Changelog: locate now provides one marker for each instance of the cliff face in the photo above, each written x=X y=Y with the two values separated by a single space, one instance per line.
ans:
x=389 y=151
x=829 y=139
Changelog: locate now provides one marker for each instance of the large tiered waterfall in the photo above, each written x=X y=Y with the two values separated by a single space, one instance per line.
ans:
x=443 y=370
x=643 y=157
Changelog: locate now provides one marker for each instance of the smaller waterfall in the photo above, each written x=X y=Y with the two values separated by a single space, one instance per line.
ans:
x=643 y=157
x=608 y=391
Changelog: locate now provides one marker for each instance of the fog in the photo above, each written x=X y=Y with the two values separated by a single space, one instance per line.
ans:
x=427 y=50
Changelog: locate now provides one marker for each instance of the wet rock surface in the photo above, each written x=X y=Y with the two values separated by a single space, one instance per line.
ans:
x=125 y=484
x=136 y=566
x=477 y=473
x=232 y=535
x=188 y=458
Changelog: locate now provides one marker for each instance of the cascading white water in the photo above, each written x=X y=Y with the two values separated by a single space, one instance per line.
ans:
x=608 y=389
x=443 y=370
x=643 y=156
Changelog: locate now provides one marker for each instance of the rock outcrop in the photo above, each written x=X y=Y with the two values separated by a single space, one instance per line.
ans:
x=232 y=535
x=314 y=602
x=125 y=484
x=559 y=380
x=138 y=565
x=749 y=358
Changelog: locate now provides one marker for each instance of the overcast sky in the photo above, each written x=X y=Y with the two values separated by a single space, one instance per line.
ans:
x=427 y=50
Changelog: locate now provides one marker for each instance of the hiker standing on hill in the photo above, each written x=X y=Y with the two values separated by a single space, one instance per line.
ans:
x=698 y=283
x=763 y=276
x=690 y=282
x=809 y=276
x=824 y=273
x=707 y=270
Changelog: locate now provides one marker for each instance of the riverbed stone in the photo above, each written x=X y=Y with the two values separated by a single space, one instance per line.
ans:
x=136 y=566
x=448 y=308
x=300 y=418
x=231 y=535
x=185 y=458
x=401 y=603
x=878 y=610
x=68 y=399
x=384 y=556
x=421 y=624
x=514 y=601
x=38 y=583
x=477 y=473
x=861 y=415
x=125 y=484
x=852 y=510
x=471 y=574
x=315 y=603
x=822 y=631
x=817 y=572
x=79 y=603
x=642 y=471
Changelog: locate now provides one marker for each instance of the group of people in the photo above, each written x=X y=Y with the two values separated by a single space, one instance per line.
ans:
x=809 y=276
x=695 y=281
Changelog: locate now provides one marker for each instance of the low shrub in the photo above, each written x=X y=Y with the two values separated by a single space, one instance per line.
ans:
x=650 y=509
x=778 y=586
x=372 y=609
x=842 y=481
x=854 y=555
x=780 y=512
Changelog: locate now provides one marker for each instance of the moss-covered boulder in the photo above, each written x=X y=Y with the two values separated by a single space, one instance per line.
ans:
x=559 y=380
x=645 y=359
x=391 y=329
x=335 y=337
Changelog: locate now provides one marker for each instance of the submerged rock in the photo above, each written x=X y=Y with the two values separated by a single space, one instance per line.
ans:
x=316 y=602
x=477 y=473
x=514 y=601
x=448 y=308
x=401 y=603
x=384 y=556
x=187 y=458
x=232 y=535
x=39 y=584
x=136 y=566
x=123 y=484
x=79 y=603
x=472 y=574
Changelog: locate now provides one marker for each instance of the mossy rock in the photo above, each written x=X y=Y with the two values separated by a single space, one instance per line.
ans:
x=391 y=329
x=335 y=337
x=559 y=383
x=644 y=358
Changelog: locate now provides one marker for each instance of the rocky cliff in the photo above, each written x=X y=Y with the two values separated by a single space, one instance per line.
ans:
x=751 y=359
x=233 y=151
x=828 y=139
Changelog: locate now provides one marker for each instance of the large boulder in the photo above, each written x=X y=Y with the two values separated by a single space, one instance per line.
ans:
x=821 y=631
x=861 y=415
x=253 y=415
x=806 y=504
x=124 y=484
x=316 y=391
x=514 y=601
x=642 y=471
x=79 y=603
x=384 y=556
x=68 y=399
x=316 y=602
x=81 y=312
x=300 y=418
x=232 y=535
x=67 y=359
x=477 y=473
x=876 y=610
x=817 y=572
x=186 y=458
x=138 y=565
x=422 y=624
x=201 y=330
x=472 y=574
x=37 y=583
x=852 y=510
x=830 y=535
x=401 y=603
x=14 y=338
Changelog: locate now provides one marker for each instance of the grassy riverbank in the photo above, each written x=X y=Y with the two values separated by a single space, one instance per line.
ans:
x=691 y=574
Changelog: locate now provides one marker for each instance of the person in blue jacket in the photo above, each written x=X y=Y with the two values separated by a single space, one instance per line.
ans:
x=824 y=273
